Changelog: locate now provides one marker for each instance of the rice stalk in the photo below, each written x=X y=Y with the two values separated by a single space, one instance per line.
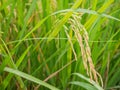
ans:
x=70 y=41
x=82 y=35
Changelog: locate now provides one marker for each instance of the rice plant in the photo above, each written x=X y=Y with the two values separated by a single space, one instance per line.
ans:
x=59 y=45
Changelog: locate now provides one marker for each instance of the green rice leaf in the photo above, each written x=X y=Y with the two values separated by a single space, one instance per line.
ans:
x=84 y=85
x=30 y=78
x=88 y=80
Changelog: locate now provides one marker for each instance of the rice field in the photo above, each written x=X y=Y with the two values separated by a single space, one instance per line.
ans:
x=59 y=44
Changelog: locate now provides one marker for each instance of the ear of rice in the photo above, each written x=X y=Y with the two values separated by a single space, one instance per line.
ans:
x=82 y=35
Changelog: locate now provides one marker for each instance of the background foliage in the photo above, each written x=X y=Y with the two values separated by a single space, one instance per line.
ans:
x=38 y=47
